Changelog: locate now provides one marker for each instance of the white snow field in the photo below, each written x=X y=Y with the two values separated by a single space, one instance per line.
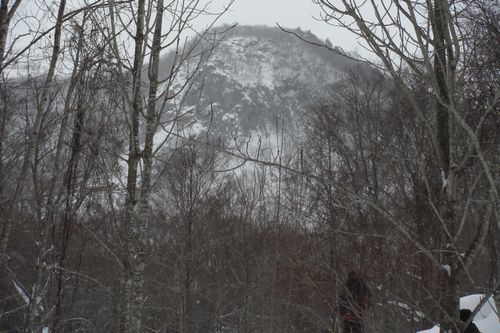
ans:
x=487 y=319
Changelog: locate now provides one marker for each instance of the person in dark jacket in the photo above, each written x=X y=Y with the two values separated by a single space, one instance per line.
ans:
x=464 y=316
x=354 y=299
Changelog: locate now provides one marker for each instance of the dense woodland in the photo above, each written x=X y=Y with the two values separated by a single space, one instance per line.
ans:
x=106 y=229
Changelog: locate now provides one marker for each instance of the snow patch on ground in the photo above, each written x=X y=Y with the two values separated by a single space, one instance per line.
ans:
x=487 y=319
x=435 y=329
x=470 y=302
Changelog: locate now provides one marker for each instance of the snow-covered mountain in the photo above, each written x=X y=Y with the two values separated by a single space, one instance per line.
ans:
x=259 y=81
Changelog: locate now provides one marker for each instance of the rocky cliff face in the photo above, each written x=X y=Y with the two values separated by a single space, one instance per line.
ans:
x=259 y=81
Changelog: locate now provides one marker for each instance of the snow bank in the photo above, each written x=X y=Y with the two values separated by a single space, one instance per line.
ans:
x=487 y=319
x=435 y=329
x=470 y=302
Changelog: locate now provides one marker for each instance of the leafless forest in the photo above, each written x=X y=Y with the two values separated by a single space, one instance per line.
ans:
x=113 y=221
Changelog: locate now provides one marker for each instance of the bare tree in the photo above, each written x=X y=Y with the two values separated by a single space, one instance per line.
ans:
x=424 y=39
x=191 y=182
x=148 y=19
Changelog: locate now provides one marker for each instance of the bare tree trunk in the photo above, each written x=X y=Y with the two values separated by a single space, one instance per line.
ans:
x=137 y=225
x=68 y=216
x=7 y=222
x=495 y=234
x=37 y=288
x=131 y=319
x=3 y=124
x=188 y=245
x=186 y=298
x=4 y=27
x=442 y=59
x=5 y=17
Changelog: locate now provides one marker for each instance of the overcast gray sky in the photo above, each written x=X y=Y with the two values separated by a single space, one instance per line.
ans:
x=288 y=13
